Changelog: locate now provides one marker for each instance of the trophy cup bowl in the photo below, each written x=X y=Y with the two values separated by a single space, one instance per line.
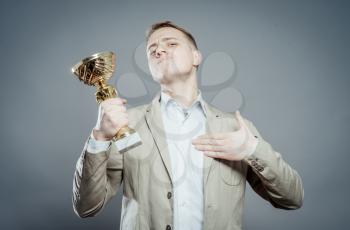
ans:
x=96 y=70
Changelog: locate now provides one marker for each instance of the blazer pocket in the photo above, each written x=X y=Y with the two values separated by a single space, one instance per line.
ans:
x=231 y=172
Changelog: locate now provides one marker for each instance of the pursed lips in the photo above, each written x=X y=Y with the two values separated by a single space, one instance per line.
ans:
x=163 y=59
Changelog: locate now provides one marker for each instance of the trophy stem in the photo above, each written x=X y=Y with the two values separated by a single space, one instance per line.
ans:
x=104 y=91
x=101 y=83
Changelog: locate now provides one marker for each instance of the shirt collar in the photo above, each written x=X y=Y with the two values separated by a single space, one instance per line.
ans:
x=165 y=99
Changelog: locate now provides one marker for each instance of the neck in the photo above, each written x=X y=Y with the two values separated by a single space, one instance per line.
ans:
x=184 y=92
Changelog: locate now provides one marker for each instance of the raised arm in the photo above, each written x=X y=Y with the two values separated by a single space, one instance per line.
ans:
x=99 y=170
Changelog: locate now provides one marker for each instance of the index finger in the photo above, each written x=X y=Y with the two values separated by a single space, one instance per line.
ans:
x=114 y=101
x=214 y=136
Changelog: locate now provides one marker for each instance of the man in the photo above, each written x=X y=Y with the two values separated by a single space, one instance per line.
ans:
x=191 y=169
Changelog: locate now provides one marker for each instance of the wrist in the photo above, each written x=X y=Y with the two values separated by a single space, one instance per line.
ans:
x=253 y=143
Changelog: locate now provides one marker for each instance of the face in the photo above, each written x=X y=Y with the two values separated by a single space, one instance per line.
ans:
x=171 y=56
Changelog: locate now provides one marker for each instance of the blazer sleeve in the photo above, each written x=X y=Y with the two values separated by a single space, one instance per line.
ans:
x=271 y=177
x=97 y=179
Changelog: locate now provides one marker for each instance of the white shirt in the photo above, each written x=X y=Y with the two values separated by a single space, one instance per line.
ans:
x=181 y=126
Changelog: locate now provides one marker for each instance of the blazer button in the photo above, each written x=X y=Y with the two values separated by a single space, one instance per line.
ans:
x=169 y=195
x=260 y=169
x=168 y=227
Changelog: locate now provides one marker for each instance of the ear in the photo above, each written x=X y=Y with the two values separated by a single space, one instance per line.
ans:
x=197 y=57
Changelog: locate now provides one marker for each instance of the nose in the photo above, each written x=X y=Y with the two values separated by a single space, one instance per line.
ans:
x=160 y=50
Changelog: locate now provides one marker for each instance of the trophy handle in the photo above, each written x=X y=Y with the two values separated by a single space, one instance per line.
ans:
x=105 y=92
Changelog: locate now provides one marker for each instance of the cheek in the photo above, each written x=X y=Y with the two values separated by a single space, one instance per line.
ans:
x=183 y=57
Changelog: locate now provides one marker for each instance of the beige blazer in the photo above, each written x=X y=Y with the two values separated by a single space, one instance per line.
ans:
x=147 y=184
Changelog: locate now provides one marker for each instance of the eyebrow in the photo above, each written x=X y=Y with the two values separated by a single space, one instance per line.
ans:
x=163 y=39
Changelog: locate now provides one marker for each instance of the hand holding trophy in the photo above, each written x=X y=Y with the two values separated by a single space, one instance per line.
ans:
x=96 y=70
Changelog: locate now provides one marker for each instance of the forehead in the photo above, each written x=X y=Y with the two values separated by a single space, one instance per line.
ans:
x=166 y=32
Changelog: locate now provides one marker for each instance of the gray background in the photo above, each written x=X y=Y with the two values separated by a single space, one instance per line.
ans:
x=291 y=63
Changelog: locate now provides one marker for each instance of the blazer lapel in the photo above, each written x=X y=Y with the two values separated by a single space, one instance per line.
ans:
x=155 y=124
x=213 y=125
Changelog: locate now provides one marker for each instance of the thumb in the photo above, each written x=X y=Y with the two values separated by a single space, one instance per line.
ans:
x=240 y=119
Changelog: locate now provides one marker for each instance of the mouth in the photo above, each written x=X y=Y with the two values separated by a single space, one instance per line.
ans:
x=162 y=60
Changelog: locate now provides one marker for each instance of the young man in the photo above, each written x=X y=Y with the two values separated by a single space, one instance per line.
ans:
x=191 y=169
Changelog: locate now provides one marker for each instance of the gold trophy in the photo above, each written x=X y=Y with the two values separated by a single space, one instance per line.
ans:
x=96 y=70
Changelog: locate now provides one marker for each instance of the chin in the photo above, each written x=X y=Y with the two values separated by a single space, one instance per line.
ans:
x=158 y=77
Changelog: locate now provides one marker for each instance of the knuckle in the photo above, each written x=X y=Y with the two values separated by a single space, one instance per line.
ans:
x=108 y=101
x=118 y=100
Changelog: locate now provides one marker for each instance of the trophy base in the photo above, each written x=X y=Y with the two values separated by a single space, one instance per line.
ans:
x=128 y=142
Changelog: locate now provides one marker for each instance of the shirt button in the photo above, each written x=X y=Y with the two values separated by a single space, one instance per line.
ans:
x=169 y=195
x=168 y=227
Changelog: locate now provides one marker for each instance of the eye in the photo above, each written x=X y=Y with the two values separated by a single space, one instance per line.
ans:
x=172 y=44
